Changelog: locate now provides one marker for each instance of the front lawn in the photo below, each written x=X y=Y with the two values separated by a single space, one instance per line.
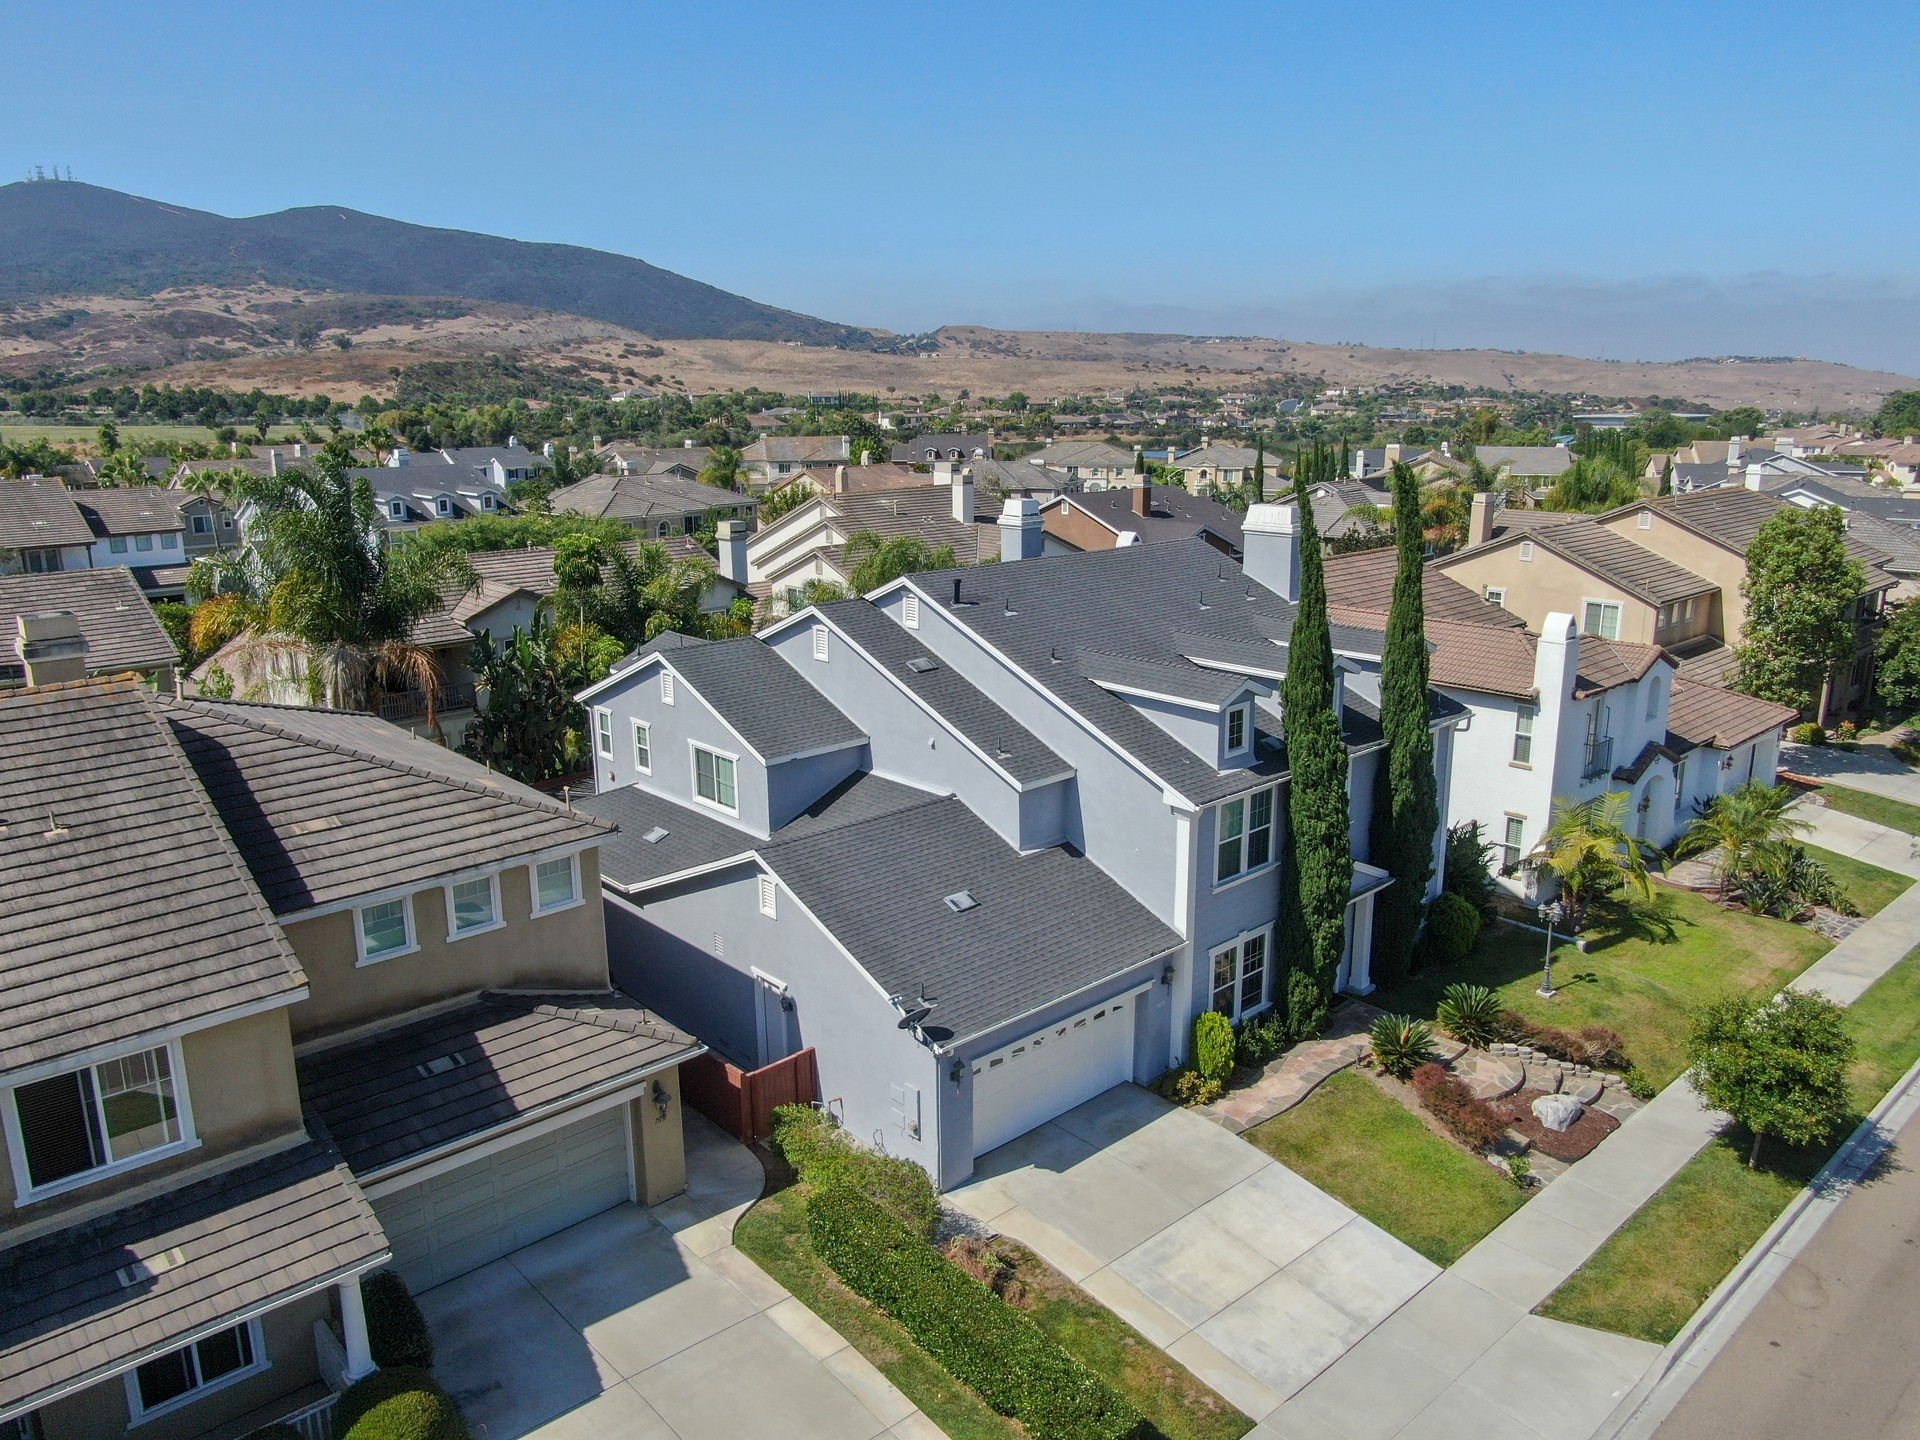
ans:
x=1645 y=972
x=1895 y=814
x=1366 y=1149
x=1868 y=886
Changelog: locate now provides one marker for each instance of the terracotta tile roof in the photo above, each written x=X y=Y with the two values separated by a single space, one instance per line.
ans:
x=1364 y=581
x=1708 y=715
x=1607 y=663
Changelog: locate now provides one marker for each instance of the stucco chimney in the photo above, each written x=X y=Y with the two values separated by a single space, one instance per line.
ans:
x=1736 y=447
x=1480 y=519
x=1141 y=499
x=730 y=538
x=1756 y=477
x=962 y=495
x=1556 y=660
x=273 y=462
x=1021 y=537
x=1393 y=453
x=839 y=479
x=51 y=646
x=1270 y=548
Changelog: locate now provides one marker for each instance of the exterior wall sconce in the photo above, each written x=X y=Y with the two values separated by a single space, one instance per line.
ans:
x=957 y=1071
x=1166 y=975
x=661 y=1099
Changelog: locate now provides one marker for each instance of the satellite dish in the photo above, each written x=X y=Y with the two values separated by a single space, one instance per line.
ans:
x=913 y=1017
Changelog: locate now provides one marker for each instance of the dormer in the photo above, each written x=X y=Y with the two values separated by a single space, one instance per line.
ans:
x=1211 y=712
x=444 y=506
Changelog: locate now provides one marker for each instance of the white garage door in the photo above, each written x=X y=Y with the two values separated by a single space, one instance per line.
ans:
x=458 y=1221
x=1052 y=1070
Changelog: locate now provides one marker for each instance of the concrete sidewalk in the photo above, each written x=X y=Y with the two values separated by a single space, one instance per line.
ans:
x=1859 y=839
x=1863 y=769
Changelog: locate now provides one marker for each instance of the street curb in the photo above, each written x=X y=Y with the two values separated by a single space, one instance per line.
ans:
x=1687 y=1356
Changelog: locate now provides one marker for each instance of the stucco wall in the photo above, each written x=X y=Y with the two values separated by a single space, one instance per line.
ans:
x=1703 y=557
x=1538 y=587
x=565 y=950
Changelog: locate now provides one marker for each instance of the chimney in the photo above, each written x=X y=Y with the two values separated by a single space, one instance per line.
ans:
x=1020 y=534
x=1270 y=548
x=1736 y=447
x=1755 y=477
x=299 y=450
x=547 y=450
x=1556 y=660
x=839 y=479
x=513 y=443
x=943 y=472
x=273 y=462
x=1141 y=498
x=963 y=496
x=1480 y=521
x=52 y=648
x=400 y=458
x=731 y=538
x=1205 y=440
x=687 y=443
x=1393 y=454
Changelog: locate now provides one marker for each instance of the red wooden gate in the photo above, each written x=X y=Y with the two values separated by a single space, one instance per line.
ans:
x=741 y=1102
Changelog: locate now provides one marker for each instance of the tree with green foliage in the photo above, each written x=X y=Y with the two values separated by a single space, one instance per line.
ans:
x=723 y=469
x=1589 y=848
x=1593 y=484
x=108 y=437
x=1316 y=871
x=874 y=560
x=1801 y=588
x=1899 y=414
x=480 y=533
x=1406 y=805
x=1897 y=679
x=789 y=497
x=1778 y=1066
x=529 y=725
x=630 y=596
x=1259 y=468
x=1734 y=825
x=124 y=468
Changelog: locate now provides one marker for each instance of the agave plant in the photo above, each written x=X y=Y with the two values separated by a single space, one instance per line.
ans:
x=1401 y=1044
x=1471 y=1014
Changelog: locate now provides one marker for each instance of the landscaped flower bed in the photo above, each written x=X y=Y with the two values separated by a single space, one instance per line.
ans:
x=1574 y=1143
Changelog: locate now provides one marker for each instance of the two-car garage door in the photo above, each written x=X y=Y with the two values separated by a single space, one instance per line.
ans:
x=1051 y=1071
x=458 y=1221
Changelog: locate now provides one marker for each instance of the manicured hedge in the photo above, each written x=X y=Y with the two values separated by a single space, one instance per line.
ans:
x=396 y=1330
x=398 y=1405
x=976 y=1336
x=827 y=1158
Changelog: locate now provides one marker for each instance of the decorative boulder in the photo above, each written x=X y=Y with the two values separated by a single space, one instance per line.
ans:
x=1557 y=1112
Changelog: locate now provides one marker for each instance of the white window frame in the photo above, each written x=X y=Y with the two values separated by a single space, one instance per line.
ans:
x=533 y=886
x=27 y=1193
x=138 y=1414
x=820 y=643
x=396 y=509
x=1244 y=714
x=910 y=611
x=1220 y=882
x=360 y=933
x=643 y=745
x=499 y=920
x=143 y=543
x=1238 y=944
x=603 y=732
x=442 y=506
x=1495 y=595
x=169 y=541
x=1512 y=833
x=1619 y=614
x=769 y=893
x=694 y=750
x=1524 y=717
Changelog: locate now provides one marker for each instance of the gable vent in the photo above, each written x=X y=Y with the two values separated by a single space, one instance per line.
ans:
x=655 y=835
x=921 y=665
x=960 y=902
x=440 y=1065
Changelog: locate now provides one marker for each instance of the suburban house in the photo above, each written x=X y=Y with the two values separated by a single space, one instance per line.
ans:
x=930 y=449
x=657 y=504
x=415 y=490
x=622 y=457
x=41 y=529
x=116 y=629
x=1536 y=465
x=1342 y=506
x=987 y=840
x=1137 y=514
x=1214 y=466
x=809 y=541
x=140 y=527
x=367 y=1021
x=1093 y=464
x=773 y=459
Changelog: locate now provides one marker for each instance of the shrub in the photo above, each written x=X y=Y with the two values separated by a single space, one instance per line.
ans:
x=1001 y=1354
x=1470 y=1013
x=398 y=1405
x=1808 y=734
x=396 y=1330
x=1594 y=1045
x=1846 y=734
x=1190 y=1087
x=1261 y=1039
x=1306 y=1007
x=1601 y=1048
x=827 y=1158
x=1453 y=929
x=1450 y=1102
x=1401 y=1044
x=1212 y=1046
x=1640 y=1085
x=1469 y=866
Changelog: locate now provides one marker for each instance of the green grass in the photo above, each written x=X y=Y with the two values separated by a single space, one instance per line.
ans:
x=1642 y=977
x=774 y=1234
x=1895 y=814
x=1868 y=886
x=1650 y=1277
x=17 y=429
x=1365 y=1148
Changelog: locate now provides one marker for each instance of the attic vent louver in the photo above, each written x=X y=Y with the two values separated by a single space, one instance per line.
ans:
x=440 y=1065
x=920 y=665
x=655 y=835
x=960 y=902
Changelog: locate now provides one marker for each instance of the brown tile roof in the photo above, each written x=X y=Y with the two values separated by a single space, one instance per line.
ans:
x=924 y=512
x=243 y=1240
x=40 y=514
x=796 y=449
x=1483 y=658
x=1511 y=519
x=1708 y=715
x=121 y=630
x=137 y=510
x=645 y=497
x=516 y=1052
x=1731 y=515
x=1364 y=581
x=1619 y=561
x=1607 y=663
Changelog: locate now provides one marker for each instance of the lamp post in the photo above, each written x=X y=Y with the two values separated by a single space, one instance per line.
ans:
x=1553 y=912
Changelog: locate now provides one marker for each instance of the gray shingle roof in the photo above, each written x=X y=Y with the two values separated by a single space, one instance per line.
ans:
x=757 y=693
x=127 y=907
x=1178 y=680
x=645 y=497
x=121 y=630
x=517 y=1052
x=137 y=510
x=246 y=1237
x=328 y=806
x=1046 y=925
x=39 y=514
x=950 y=695
x=694 y=838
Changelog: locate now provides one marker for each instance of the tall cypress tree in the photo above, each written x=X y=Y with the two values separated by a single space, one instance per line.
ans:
x=1406 y=804
x=1259 y=468
x=1317 y=876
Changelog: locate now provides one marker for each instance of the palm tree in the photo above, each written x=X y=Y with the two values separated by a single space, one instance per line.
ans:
x=1739 y=825
x=873 y=560
x=1589 y=849
x=325 y=582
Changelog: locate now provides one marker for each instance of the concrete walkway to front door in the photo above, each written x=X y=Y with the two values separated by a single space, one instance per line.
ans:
x=648 y=1325
x=1249 y=1276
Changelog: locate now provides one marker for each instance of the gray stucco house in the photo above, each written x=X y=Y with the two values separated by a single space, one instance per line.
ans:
x=988 y=840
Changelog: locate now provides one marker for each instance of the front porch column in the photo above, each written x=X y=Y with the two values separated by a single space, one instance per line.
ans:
x=1360 y=945
x=353 y=1327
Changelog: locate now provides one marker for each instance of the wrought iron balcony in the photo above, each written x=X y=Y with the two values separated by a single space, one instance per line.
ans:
x=1599 y=757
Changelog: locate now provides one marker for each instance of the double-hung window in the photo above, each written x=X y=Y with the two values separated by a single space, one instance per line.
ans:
x=1510 y=844
x=474 y=905
x=100 y=1115
x=603 y=733
x=1602 y=618
x=209 y=1363
x=713 y=779
x=143 y=542
x=643 y=747
x=386 y=929
x=1239 y=721
x=556 y=884
x=1240 y=976
x=1523 y=719
x=1243 y=838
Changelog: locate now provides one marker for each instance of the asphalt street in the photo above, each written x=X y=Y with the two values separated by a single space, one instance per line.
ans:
x=1834 y=1348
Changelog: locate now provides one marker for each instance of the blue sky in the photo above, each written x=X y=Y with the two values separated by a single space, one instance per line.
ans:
x=1626 y=180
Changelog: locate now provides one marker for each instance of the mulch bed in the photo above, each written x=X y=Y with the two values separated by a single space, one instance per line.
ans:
x=1588 y=1131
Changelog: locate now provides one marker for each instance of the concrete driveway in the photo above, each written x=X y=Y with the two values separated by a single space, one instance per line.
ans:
x=1867 y=768
x=648 y=1325
x=1249 y=1276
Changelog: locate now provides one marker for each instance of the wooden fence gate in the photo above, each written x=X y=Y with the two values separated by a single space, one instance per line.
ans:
x=741 y=1102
